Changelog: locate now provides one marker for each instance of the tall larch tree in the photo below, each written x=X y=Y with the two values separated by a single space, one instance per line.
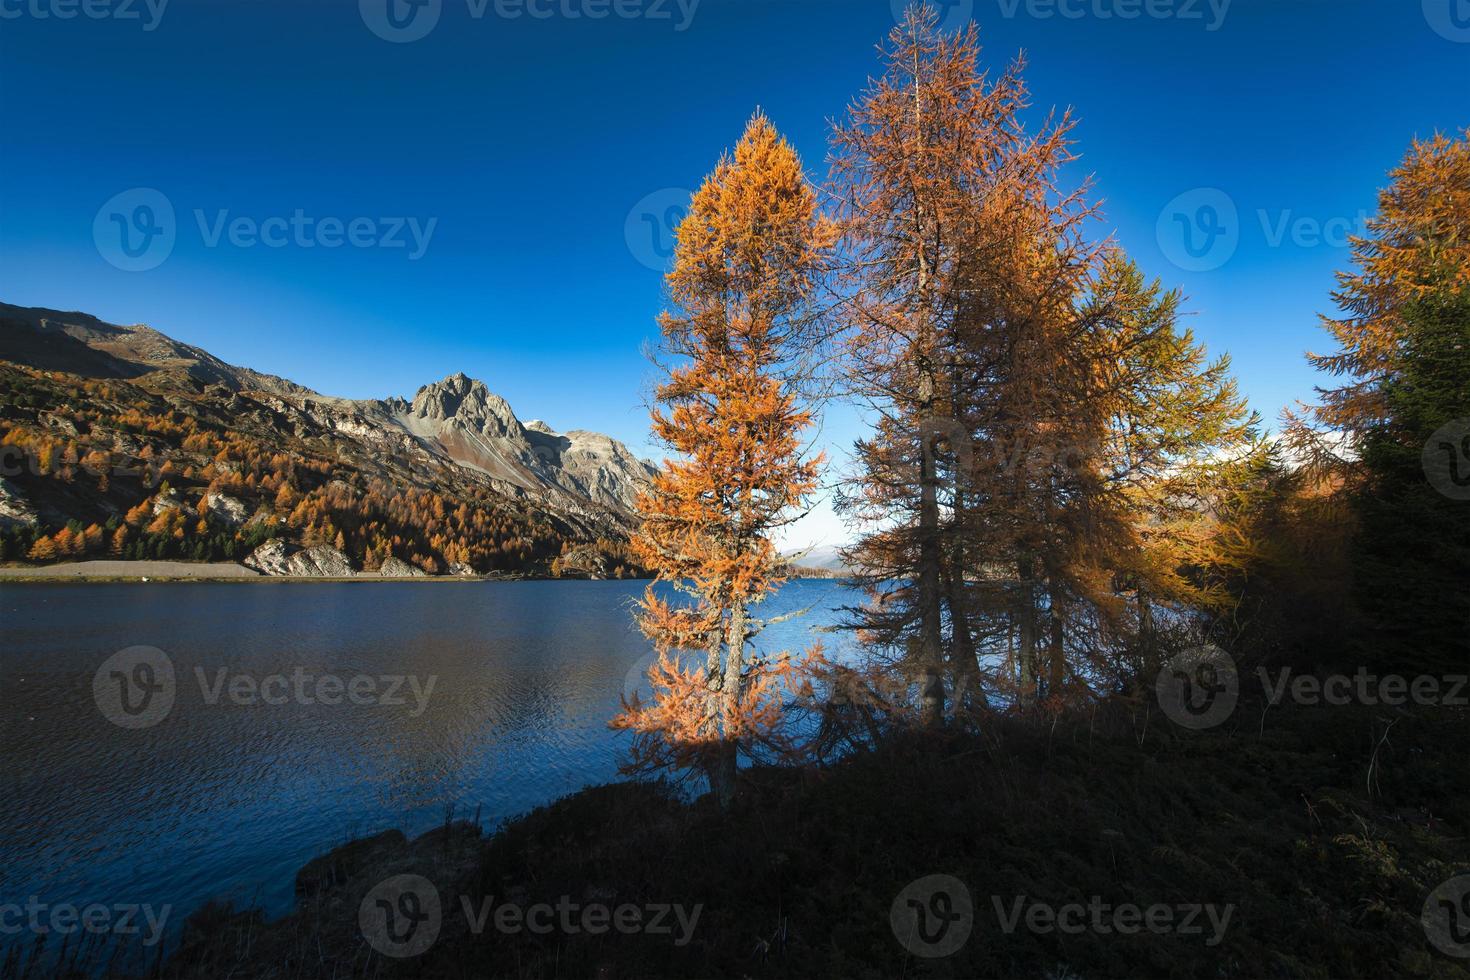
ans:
x=747 y=267
x=1400 y=420
x=1181 y=444
x=952 y=228
x=1417 y=246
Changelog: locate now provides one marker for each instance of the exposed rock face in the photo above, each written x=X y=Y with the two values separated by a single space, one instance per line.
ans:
x=322 y=560
x=478 y=429
x=226 y=508
x=275 y=558
x=398 y=568
x=585 y=561
x=461 y=569
x=15 y=510
x=167 y=501
x=271 y=558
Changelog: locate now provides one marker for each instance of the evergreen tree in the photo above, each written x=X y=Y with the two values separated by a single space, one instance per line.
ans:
x=1413 y=549
x=746 y=267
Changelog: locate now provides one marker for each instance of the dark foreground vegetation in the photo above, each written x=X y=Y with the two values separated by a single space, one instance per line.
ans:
x=1320 y=831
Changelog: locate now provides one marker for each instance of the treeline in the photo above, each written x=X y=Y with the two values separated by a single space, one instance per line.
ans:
x=138 y=475
x=1062 y=490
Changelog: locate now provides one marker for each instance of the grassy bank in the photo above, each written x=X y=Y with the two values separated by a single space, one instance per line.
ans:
x=1318 y=833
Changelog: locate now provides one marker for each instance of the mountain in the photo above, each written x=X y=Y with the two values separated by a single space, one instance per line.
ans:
x=81 y=344
x=379 y=474
x=824 y=561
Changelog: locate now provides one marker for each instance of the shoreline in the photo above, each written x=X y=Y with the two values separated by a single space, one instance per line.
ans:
x=182 y=571
x=102 y=571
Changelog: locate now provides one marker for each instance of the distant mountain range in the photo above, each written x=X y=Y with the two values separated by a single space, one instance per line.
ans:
x=454 y=439
x=826 y=559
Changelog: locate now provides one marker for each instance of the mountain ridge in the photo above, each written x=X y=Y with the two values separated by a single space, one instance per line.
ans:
x=453 y=435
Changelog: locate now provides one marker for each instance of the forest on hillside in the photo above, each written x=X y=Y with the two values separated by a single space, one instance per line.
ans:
x=157 y=469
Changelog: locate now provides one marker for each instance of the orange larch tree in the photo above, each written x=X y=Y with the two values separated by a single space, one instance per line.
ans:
x=1418 y=245
x=747 y=267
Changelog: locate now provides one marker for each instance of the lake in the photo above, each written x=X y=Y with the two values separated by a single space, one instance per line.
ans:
x=302 y=715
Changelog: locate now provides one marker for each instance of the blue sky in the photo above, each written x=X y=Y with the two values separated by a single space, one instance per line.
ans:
x=495 y=186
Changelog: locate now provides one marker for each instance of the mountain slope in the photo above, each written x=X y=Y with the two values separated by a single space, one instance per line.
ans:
x=96 y=417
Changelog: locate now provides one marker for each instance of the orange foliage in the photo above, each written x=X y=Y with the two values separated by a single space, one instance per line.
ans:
x=746 y=266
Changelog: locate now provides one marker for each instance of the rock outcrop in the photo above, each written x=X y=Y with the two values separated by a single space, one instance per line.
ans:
x=229 y=510
x=463 y=419
x=275 y=557
x=398 y=568
x=15 y=510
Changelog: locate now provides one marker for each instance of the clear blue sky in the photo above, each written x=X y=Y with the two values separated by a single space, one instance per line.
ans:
x=529 y=141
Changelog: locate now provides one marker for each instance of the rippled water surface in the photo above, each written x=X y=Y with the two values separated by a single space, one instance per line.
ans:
x=230 y=799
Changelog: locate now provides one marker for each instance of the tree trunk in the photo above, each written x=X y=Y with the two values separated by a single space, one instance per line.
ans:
x=1057 y=671
x=1026 y=657
x=966 y=666
x=931 y=638
x=728 y=751
x=1146 y=640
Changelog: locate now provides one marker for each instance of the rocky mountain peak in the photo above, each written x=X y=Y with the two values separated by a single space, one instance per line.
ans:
x=469 y=403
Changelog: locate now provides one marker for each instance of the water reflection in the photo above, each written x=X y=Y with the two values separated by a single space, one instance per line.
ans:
x=230 y=799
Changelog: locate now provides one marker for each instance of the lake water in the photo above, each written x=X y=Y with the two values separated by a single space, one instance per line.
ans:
x=229 y=798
